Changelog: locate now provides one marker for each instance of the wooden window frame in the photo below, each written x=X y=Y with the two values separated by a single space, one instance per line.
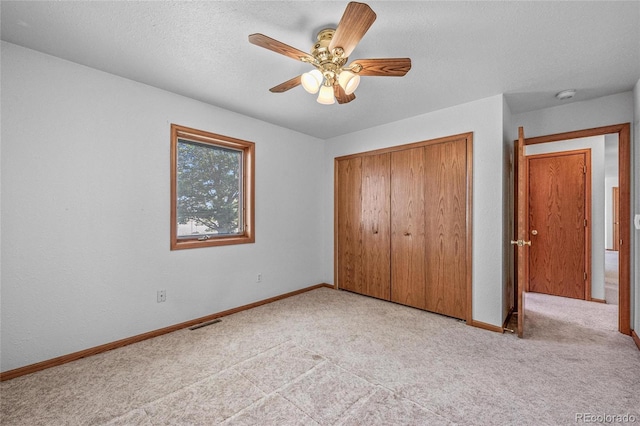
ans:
x=248 y=187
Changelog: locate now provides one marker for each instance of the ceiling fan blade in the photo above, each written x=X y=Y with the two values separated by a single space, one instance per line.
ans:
x=355 y=22
x=387 y=67
x=289 y=84
x=341 y=96
x=279 y=47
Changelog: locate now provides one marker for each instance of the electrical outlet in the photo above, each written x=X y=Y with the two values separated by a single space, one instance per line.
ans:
x=162 y=296
x=259 y=278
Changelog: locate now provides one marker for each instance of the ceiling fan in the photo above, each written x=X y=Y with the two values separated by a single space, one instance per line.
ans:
x=329 y=55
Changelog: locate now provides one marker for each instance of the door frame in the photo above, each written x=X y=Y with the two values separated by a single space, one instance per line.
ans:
x=587 y=210
x=623 y=131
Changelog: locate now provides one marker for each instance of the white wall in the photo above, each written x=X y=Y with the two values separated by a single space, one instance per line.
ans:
x=607 y=110
x=596 y=145
x=609 y=184
x=85 y=211
x=613 y=109
x=484 y=119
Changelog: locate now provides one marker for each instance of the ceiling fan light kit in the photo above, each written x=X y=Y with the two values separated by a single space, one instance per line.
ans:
x=329 y=55
x=326 y=95
x=311 y=81
x=349 y=81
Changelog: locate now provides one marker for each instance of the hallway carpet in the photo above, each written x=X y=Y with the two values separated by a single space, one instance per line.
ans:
x=611 y=277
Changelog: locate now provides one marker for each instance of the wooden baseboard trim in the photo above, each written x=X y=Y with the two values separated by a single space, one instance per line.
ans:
x=635 y=338
x=486 y=326
x=593 y=299
x=28 y=369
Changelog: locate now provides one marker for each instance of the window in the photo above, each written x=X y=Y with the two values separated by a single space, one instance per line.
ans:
x=212 y=189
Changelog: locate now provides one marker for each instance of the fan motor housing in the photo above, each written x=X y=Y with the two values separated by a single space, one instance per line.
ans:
x=321 y=51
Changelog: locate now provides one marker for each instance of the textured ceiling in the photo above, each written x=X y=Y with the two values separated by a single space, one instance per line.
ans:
x=460 y=51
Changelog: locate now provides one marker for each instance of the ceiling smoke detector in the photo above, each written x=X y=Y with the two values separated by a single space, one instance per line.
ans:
x=566 y=94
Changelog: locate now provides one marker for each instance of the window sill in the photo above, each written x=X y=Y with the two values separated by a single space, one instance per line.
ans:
x=212 y=242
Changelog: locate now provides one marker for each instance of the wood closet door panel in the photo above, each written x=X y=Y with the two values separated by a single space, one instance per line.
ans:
x=408 y=227
x=376 y=203
x=349 y=224
x=445 y=252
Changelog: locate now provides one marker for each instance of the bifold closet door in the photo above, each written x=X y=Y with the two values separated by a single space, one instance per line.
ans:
x=408 y=227
x=428 y=228
x=401 y=229
x=349 y=206
x=376 y=271
x=363 y=225
x=445 y=215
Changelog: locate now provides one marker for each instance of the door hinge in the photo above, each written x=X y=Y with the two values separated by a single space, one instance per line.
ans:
x=585 y=276
x=584 y=169
x=585 y=223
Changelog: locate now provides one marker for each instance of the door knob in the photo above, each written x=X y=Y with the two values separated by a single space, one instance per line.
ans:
x=534 y=232
x=521 y=243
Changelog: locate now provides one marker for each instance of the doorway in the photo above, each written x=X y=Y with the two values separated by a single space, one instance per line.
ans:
x=624 y=179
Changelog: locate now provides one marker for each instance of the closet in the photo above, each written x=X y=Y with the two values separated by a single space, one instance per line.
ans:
x=403 y=224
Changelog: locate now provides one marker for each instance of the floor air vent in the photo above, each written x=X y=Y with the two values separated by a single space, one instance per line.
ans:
x=204 y=324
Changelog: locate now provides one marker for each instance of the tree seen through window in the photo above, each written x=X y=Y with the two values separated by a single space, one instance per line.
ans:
x=209 y=189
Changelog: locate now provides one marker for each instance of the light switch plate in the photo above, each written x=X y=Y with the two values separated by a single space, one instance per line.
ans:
x=636 y=221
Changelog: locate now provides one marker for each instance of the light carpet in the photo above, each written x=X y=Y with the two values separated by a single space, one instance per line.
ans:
x=331 y=357
x=611 y=277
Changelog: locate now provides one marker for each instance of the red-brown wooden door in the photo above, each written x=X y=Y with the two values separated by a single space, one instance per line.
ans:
x=363 y=207
x=557 y=223
x=428 y=227
x=445 y=230
x=349 y=206
x=376 y=274
x=408 y=260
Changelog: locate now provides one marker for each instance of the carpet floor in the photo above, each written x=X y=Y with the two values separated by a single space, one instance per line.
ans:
x=334 y=358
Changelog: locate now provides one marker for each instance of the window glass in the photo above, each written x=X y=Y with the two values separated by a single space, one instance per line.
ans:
x=209 y=190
